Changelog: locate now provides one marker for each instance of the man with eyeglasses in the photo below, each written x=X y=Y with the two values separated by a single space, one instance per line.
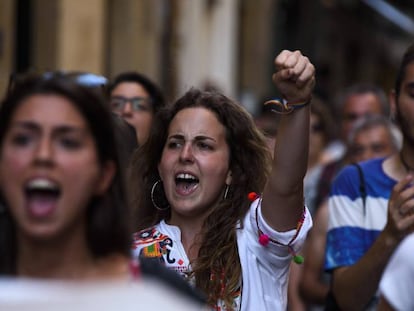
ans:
x=136 y=99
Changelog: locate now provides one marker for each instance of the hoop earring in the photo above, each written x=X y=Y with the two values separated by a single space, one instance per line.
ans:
x=226 y=192
x=162 y=209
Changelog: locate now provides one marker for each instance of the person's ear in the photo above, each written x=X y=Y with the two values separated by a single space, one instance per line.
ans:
x=108 y=171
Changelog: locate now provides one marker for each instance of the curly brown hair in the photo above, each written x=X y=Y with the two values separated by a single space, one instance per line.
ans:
x=250 y=163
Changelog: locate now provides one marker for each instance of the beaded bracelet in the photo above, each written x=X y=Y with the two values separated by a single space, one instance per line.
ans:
x=264 y=239
x=282 y=106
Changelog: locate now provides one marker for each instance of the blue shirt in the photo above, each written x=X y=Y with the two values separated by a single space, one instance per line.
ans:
x=352 y=227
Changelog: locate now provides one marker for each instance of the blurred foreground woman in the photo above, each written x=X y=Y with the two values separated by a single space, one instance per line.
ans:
x=63 y=209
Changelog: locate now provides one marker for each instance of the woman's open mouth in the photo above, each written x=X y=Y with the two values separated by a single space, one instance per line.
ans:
x=185 y=183
x=41 y=197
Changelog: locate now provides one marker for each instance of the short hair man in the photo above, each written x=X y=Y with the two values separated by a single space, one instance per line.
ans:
x=362 y=237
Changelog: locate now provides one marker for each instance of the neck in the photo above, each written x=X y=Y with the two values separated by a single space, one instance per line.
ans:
x=190 y=230
x=65 y=258
x=313 y=160
x=50 y=263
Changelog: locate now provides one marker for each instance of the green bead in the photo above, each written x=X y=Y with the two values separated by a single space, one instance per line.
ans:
x=298 y=259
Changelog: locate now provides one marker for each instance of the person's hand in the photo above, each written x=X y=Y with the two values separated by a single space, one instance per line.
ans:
x=294 y=76
x=401 y=209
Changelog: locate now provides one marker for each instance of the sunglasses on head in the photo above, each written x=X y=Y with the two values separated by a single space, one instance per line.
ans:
x=84 y=79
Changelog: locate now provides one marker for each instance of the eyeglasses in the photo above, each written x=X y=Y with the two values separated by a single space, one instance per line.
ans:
x=137 y=103
x=85 y=79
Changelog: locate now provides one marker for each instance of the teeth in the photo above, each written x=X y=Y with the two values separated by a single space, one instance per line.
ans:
x=42 y=184
x=186 y=176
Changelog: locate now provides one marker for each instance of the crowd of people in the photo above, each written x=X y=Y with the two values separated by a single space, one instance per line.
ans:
x=104 y=184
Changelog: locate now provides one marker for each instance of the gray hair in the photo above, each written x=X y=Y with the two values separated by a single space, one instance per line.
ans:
x=370 y=122
x=362 y=88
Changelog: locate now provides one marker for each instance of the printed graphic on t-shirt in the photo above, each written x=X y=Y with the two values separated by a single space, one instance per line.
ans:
x=153 y=244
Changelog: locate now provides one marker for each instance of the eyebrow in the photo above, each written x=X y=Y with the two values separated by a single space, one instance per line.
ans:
x=129 y=98
x=60 y=129
x=197 y=138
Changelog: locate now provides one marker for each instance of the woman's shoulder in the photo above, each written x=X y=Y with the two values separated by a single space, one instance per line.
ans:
x=156 y=233
x=150 y=236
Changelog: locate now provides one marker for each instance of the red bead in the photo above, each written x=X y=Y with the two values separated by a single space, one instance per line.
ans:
x=252 y=196
x=264 y=239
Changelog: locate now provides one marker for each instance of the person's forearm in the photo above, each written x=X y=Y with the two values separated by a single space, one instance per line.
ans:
x=313 y=290
x=291 y=150
x=354 y=286
x=285 y=185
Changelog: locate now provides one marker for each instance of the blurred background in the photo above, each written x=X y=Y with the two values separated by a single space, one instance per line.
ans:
x=225 y=44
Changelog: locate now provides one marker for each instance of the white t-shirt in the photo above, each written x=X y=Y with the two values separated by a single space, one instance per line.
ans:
x=21 y=294
x=397 y=282
x=264 y=268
